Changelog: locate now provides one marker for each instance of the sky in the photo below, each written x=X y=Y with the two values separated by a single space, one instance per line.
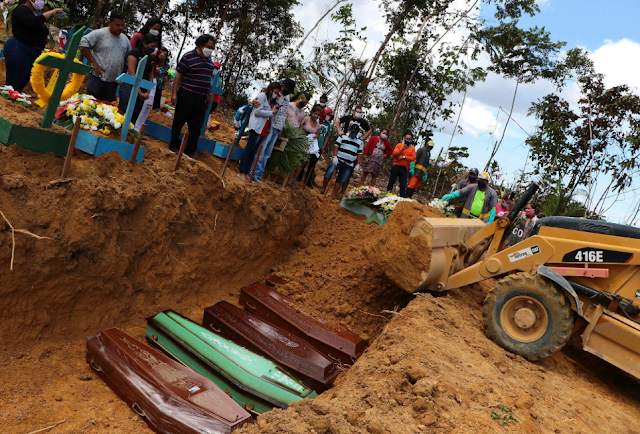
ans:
x=605 y=29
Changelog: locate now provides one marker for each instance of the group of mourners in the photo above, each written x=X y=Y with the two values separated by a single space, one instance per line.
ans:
x=273 y=106
x=112 y=53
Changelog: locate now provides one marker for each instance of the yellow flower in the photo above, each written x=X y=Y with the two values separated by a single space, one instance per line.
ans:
x=107 y=131
x=100 y=112
x=131 y=125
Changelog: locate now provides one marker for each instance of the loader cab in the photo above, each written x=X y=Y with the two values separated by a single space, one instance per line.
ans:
x=586 y=225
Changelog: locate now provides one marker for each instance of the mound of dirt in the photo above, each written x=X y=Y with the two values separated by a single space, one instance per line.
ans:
x=404 y=260
x=432 y=370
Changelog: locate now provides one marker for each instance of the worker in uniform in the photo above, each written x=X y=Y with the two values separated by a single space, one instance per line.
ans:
x=418 y=169
x=481 y=200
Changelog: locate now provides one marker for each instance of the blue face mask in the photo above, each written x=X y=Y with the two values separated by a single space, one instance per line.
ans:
x=149 y=50
x=353 y=135
x=407 y=141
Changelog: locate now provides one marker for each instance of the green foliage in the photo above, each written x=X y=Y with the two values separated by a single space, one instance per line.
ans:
x=504 y=415
x=285 y=162
x=562 y=148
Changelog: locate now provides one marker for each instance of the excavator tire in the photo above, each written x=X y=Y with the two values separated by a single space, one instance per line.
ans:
x=528 y=315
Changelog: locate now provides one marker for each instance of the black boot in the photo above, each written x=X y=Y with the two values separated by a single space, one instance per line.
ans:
x=409 y=192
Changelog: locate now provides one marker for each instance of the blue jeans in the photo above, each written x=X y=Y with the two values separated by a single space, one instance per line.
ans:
x=19 y=60
x=101 y=90
x=344 y=172
x=267 y=149
x=125 y=93
x=250 y=151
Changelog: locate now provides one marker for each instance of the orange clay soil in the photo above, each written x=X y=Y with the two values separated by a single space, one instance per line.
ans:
x=127 y=242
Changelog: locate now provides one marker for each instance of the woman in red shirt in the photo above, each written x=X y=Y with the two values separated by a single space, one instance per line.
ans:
x=378 y=148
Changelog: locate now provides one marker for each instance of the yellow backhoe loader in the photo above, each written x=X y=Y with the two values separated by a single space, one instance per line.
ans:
x=572 y=276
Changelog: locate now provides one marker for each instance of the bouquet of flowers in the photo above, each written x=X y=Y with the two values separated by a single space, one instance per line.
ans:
x=15 y=96
x=441 y=205
x=388 y=201
x=94 y=115
x=6 y=4
x=214 y=126
x=364 y=194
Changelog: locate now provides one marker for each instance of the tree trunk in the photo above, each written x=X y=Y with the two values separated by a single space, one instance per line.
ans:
x=186 y=32
x=102 y=9
x=162 y=8
x=494 y=151
x=295 y=50
x=464 y=98
x=423 y=60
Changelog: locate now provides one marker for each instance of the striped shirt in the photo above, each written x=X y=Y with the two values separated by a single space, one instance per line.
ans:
x=196 y=73
x=348 y=149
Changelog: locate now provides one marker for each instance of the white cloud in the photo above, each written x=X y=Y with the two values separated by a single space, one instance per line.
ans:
x=619 y=61
x=477 y=119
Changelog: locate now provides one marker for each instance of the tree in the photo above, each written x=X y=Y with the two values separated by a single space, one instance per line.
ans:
x=601 y=138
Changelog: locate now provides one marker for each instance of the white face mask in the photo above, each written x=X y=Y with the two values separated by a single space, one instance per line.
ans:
x=322 y=104
x=154 y=32
x=357 y=115
x=207 y=52
x=327 y=118
x=215 y=70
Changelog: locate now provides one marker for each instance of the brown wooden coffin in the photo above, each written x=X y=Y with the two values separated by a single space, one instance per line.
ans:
x=275 y=281
x=337 y=343
x=169 y=397
x=297 y=356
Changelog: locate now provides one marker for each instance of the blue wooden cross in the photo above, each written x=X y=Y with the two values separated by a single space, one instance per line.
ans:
x=136 y=82
x=216 y=89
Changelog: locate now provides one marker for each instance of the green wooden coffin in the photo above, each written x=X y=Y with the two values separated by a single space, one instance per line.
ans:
x=254 y=382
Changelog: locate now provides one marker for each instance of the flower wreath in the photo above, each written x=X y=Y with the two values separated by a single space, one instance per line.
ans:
x=37 y=80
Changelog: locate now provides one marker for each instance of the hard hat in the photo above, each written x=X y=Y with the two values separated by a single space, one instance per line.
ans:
x=430 y=144
x=484 y=176
x=474 y=171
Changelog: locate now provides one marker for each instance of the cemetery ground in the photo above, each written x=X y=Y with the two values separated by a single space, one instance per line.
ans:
x=121 y=243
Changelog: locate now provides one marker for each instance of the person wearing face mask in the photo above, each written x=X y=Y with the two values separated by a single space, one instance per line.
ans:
x=146 y=46
x=296 y=113
x=418 y=169
x=192 y=93
x=278 y=120
x=311 y=126
x=403 y=155
x=502 y=210
x=481 y=200
x=470 y=179
x=161 y=79
x=259 y=127
x=523 y=226
x=346 y=157
x=30 y=35
x=345 y=122
x=217 y=83
x=153 y=26
x=378 y=148
x=106 y=49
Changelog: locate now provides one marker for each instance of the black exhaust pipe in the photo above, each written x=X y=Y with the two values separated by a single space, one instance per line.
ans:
x=524 y=200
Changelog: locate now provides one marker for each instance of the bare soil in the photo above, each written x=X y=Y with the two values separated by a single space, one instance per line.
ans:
x=125 y=242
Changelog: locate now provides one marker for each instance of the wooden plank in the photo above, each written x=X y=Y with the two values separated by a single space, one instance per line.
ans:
x=124 y=149
x=162 y=132
x=5 y=130
x=223 y=150
x=41 y=141
x=87 y=142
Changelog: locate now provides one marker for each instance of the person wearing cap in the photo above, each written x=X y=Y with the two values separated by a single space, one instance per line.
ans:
x=418 y=169
x=481 y=200
x=288 y=86
x=403 y=154
x=344 y=124
x=346 y=156
x=471 y=179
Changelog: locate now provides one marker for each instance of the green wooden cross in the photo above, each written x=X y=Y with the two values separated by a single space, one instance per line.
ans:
x=66 y=67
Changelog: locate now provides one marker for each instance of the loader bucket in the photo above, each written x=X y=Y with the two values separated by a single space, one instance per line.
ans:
x=444 y=235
